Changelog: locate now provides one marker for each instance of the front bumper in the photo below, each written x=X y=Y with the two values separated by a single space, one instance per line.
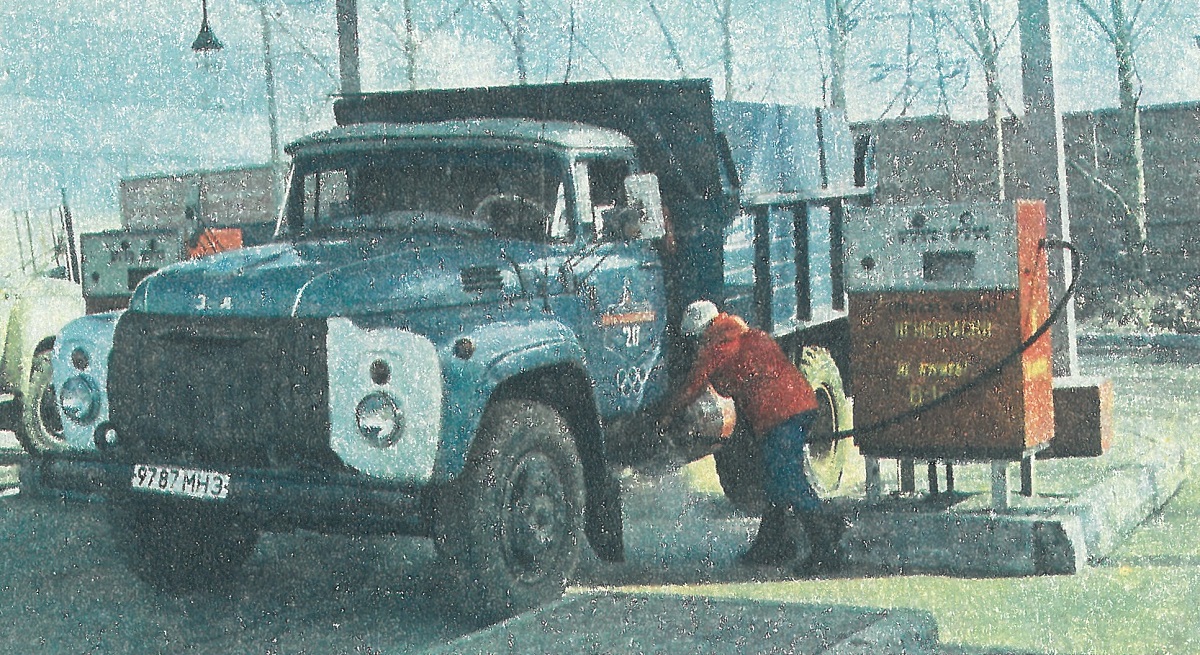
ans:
x=275 y=501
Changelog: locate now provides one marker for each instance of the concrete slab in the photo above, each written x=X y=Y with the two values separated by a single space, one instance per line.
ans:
x=976 y=544
x=647 y=623
x=1051 y=535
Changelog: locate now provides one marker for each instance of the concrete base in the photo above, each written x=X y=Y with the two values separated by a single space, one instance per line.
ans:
x=1048 y=536
x=638 y=623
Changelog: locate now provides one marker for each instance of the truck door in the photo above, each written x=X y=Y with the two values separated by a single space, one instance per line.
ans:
x=614 y=285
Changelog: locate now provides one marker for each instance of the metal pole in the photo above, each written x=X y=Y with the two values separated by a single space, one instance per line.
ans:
x=72 y=254
x=347 y=27
x=1001 y=494
x=1040 y=162
x=272 y=105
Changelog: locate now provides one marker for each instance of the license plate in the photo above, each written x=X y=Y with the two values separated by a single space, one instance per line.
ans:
x=176 y=481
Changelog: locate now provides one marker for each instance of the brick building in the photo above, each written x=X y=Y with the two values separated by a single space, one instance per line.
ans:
x=937 y=160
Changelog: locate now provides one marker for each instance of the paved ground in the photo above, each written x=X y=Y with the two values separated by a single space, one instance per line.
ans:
x=306 y=593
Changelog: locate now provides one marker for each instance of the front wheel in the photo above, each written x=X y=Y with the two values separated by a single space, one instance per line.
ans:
x=41 y=428
x=180 y=547
x=509 y=526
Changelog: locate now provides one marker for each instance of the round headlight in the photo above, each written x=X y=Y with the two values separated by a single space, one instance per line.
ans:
x=78 y=399
x=379 y=420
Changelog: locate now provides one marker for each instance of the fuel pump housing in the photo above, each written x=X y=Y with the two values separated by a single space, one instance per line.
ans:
x=938 y=298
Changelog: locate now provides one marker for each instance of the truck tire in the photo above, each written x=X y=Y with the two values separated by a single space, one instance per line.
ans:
x=41 y=429
x=509 y=525
x=834 y=466
x=179 y=547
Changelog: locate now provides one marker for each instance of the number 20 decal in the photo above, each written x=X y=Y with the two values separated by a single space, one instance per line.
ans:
x=633 y=335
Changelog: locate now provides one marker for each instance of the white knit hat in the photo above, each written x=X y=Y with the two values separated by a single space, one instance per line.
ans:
x=697 y=317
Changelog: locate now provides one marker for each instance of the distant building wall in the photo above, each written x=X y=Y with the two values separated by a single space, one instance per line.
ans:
x=936 y=160
x=221 y=198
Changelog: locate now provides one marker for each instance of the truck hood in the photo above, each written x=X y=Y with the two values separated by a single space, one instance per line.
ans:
x=317 y=279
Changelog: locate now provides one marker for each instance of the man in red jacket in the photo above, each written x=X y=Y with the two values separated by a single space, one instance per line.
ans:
x=777 y=401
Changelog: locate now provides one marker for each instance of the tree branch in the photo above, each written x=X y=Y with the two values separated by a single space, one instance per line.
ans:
x=1091 y=12
x=671 y=47
x=1094 y=177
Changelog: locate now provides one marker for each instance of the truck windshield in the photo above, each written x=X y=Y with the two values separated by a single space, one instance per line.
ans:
x=508 y=192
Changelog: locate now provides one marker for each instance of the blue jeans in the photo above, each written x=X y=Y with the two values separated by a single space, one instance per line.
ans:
x=783 y=456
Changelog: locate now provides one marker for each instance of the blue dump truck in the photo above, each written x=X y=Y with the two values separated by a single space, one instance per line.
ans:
x=463 y=329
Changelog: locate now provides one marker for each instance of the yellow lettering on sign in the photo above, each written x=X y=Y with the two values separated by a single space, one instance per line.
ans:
x=1035 y=320
x=1038 y=368
x=964 y=329
x=942 y=369
x=902 y=369
x=919 y=394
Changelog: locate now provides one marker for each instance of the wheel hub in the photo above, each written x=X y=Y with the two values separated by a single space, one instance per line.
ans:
x=535 y=518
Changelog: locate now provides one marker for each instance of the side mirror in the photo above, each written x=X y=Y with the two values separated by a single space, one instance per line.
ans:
x=644 y=194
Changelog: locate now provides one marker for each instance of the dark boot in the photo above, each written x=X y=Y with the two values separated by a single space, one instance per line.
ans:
x=775 y=543
x=824 y=532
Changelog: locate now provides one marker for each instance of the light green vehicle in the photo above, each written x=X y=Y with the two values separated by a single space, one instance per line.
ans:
x=32 y=311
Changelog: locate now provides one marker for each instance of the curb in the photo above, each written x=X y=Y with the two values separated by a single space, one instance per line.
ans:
x=965 y=544
x=1111 y=510
x=651 y=623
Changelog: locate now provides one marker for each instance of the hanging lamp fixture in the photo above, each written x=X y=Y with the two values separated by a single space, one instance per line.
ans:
x=206 y=41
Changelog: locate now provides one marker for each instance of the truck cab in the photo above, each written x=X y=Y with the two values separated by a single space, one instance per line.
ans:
x=429 y=285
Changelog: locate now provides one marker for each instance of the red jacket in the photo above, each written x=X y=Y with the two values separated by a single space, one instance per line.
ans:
x=748 y=366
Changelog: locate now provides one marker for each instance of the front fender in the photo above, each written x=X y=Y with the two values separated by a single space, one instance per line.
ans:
x=93 y=336
x=41 y=308
x=477 y=361
x=401 y=366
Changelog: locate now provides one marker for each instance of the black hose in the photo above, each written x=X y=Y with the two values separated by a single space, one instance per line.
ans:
x=994 y=369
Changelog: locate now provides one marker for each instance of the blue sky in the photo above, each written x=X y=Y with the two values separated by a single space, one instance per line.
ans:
x=95 y=90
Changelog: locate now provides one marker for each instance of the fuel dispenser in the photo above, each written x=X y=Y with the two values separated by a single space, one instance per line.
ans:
x=943 y=302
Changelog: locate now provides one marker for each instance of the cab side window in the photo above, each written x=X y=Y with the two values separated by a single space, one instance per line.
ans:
x=606 y=177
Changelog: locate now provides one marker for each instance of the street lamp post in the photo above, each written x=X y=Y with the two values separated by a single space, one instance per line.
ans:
x=272 y=107
x=207 y=45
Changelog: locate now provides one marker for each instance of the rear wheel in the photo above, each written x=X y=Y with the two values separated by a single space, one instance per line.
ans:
x=833 y=465
x=41 y=428
x=510 y=524
x=180 y=547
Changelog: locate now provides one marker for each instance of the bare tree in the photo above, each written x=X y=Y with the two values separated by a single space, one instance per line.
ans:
x=946 y=70
x=723 y=15
x=410 y=46
x=409 y=36
x=724 y=11
x=985 y=43
x=672 y=48
x=911 y=86
x=840 y=21
x=517 y=29
x=1124 y=24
